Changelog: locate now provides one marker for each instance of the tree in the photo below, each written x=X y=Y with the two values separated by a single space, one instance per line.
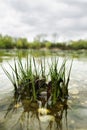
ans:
x=22 y=43
x=7 y=41
x=54 y=35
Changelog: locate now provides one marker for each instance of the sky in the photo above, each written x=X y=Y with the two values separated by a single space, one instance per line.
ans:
x=28 y=18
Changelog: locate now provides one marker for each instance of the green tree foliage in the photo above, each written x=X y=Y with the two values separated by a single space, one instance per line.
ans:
x=36 y=44
x=48 y=44
x=8 y=42
x=22 y=43
x=81 y=44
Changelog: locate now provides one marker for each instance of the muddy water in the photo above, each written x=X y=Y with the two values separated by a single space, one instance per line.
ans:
x=27 y=116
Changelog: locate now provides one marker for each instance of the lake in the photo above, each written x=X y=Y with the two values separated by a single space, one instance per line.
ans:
x=74 y=118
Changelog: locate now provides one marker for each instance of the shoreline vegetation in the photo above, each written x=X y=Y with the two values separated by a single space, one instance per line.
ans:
x=8 y=42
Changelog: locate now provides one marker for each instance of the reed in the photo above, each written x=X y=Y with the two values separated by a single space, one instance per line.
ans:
x=29 y=81
x=59 y=81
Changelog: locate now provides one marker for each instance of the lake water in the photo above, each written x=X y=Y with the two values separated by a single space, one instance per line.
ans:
x=77 y=102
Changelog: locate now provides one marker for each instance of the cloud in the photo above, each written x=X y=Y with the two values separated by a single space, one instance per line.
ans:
x=67 y=18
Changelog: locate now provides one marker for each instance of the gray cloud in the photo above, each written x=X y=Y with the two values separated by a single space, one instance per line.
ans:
x=27 y=18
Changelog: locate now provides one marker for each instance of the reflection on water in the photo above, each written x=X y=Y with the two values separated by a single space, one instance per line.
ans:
x=27 y=115
x=8 y=54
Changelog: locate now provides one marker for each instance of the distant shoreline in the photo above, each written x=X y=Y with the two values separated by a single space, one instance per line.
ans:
x=8 y=42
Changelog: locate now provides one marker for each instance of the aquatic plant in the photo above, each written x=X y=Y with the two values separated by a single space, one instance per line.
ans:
x=42 y=94
x=31 y=82
x=59 y=82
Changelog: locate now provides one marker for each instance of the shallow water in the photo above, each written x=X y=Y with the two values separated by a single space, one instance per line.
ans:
x=77 y=102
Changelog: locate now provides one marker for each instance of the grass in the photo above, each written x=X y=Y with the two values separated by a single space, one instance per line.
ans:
x=29 y=80
x=59 y=82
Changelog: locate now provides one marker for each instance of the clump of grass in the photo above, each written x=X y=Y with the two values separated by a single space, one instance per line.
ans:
x=59 y=83
x=26 y=80
x=29 y=81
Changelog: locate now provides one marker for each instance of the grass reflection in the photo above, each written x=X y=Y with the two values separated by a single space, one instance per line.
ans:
x=32 y=115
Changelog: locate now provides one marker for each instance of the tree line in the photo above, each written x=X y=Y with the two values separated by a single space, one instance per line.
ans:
x=8 y=42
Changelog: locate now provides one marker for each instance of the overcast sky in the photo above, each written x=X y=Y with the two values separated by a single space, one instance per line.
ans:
x=27 y=18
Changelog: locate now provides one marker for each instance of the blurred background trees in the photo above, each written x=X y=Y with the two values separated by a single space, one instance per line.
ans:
x=40 y=41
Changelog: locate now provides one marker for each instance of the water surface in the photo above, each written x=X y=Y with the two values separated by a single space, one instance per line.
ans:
x=28 y=120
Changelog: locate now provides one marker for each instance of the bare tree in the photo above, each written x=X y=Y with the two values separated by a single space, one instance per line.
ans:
x=55 y=36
